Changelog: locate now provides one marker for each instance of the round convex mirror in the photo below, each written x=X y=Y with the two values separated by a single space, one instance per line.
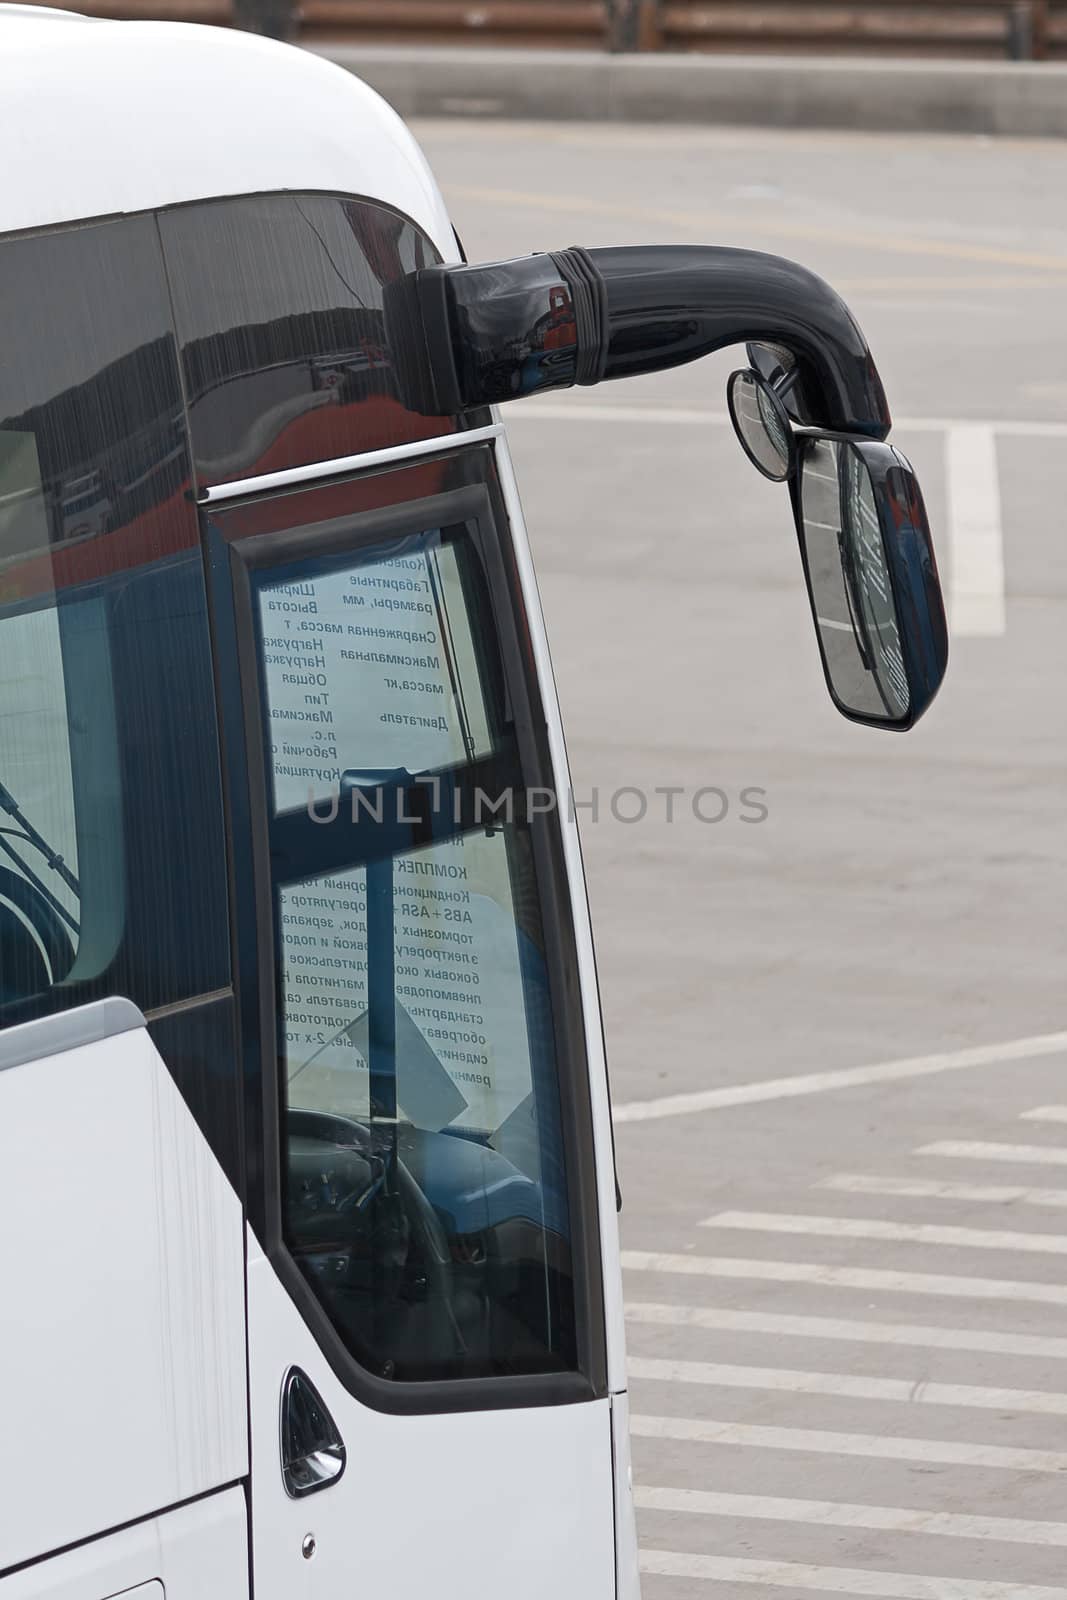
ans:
x=762 y=425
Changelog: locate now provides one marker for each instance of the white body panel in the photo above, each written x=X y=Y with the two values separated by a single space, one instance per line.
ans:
x=463 y=1506
x=122 y=1317
x=198 y=1552
x=204 y=112
x=627 y=1575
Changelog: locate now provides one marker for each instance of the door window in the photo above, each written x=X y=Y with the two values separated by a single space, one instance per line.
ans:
x=425 y=1194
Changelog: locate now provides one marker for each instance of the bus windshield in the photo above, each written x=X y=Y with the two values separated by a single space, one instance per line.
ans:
x=425 y=1195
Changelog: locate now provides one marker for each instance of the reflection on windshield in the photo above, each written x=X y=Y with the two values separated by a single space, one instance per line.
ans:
x=451 y=926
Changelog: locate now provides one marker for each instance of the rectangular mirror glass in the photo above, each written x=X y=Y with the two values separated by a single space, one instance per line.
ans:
x=851 y=591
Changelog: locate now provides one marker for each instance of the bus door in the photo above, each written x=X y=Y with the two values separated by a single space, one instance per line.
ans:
x=429 y=1408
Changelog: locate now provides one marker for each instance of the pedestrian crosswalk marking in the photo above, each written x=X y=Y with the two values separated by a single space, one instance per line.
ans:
x=890 y=1232
x=792 y=1326
x=725 y=1456
x=859 y=1581
x=817 y=1441
x=839 y=1514
x=977 y=1150
x=871 y=1278
x=912 y=1391
x=932 y=1189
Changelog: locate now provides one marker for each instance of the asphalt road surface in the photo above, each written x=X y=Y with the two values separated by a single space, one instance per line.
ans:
x=847 y=1288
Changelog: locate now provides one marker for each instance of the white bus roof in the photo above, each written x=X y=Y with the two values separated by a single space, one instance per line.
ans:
x=99 y=118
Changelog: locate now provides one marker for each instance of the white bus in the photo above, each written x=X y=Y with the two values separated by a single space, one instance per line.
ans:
x=308 y=1243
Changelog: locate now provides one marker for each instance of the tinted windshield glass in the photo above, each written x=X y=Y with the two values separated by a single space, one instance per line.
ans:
x=425 y=1188
x=278 y=306
x=112 y=866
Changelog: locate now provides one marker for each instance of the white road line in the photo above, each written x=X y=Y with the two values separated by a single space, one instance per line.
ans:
x=873 y=1278
x=859 y=1581
x=783 y=1380
x=697 y=416
x=815 y=1441
x=743 y=1094
x=1045 y=1114
x=960 y=1149
x=839 y=1514
x=1052 y=1244
x=976 y=546
x=849 y=1331
x=931 y=1189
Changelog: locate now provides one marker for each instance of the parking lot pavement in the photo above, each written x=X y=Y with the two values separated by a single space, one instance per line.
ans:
x=900 y=895
x=847 y=1352
x=826 y=1407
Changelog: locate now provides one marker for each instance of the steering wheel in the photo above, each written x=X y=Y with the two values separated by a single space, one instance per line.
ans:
x=403 y=1231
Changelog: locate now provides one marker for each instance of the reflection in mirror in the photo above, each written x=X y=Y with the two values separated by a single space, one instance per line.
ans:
x=851 y=592
x=761 y=424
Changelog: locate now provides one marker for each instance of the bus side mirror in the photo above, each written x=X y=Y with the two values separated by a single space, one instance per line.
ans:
x=463 y=337
x=867 y=553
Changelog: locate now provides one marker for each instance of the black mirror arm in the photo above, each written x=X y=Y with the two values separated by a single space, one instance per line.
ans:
x=467 y=336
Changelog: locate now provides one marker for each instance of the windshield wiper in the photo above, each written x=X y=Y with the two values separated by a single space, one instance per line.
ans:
x=28 y=834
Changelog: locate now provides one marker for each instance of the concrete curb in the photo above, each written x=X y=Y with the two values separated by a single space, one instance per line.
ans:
x=1021 y=99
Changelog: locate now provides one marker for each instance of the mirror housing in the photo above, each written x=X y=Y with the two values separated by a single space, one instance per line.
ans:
x=470 y=336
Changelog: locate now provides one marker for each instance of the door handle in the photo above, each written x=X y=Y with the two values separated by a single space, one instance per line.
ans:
x=313 y=1452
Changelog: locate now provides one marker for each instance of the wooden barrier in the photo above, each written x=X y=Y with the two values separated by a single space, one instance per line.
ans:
x=1012 y=29
x=1019 y=29
x=579 y=23
x=970 y=28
